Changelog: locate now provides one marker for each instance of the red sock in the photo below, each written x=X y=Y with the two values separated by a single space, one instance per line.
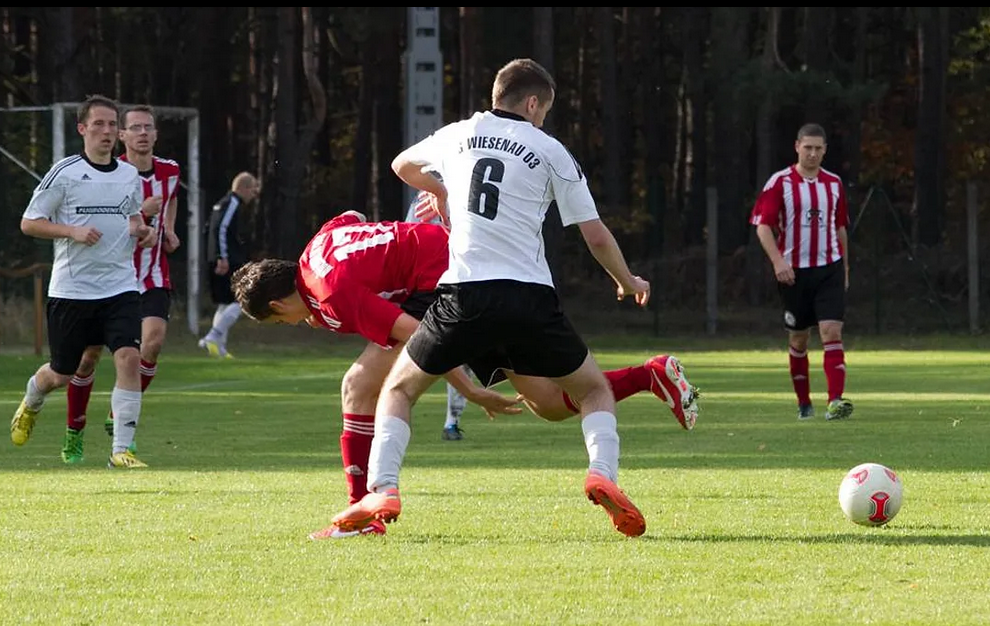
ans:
x=148 y=371
x=799 y=376
x=77 y=395
x=835 y=369
x=355 y=448
x=625 y=382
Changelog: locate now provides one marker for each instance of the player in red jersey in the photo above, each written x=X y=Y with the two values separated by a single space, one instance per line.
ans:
x=806 y=204
x=377 y=280
x=160 y=179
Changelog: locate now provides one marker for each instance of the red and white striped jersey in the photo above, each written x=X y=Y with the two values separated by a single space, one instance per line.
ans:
x=151 y=264
x=807 y=214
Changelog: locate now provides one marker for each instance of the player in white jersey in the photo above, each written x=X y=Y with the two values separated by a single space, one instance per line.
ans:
x=456 y=402
x=160 y=185
x=500 y=173
x=90 y=205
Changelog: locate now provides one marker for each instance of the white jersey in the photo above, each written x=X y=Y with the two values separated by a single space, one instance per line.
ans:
x=76 y=192
x=501 y=174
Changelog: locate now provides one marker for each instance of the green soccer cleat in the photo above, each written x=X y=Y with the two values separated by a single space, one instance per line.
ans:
x=125 y=460
x=838 y=409
x=22 y=424
x=72 y=447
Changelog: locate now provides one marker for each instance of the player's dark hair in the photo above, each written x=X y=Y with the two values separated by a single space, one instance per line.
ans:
x=520 y=78
x=812 y=130
x=91 y=102
x=257 y=283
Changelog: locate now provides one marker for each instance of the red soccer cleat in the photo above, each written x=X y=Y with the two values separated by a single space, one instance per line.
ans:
x=384 y=507
x=670 y=385
x=624 y=515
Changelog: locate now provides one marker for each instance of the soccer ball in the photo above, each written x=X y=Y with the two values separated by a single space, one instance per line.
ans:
x=871 y=494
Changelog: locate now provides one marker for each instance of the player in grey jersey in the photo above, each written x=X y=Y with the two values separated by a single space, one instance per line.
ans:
x=89 y=205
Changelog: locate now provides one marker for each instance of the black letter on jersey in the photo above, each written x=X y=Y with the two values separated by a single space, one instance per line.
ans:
x=495 y=170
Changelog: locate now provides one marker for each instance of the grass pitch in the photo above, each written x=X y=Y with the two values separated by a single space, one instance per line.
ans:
x=743 y=523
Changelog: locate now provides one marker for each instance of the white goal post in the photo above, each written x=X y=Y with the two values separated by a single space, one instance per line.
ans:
x=190 y=175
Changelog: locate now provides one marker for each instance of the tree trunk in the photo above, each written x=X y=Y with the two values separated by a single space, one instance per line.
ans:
x=694 y=162
x=729 y=55
x=388 y=114
x=929 y=148
x=286 y=146
x=610 y=109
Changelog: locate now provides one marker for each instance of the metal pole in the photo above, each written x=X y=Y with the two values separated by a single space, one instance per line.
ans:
x=194 y=227
x=973 y=254
x=711 y=268
x=58 y=133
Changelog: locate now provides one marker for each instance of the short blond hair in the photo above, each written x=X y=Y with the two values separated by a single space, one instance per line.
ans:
x=242 y=180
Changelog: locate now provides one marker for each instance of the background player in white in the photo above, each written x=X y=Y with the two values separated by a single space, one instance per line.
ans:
x=160 y=184
x=501 y=172
x=90 y=204
x=456 y=402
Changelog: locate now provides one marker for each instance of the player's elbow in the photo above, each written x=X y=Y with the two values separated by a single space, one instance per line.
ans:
x=28 y=227
x=596 y=235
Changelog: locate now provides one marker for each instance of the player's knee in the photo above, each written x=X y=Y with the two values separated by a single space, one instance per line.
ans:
x=127 y=359
x=357 y=388
x=151 y=347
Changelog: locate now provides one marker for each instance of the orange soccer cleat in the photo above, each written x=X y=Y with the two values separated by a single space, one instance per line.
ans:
x=624 y=515
x=333 y=531
x=384 y=507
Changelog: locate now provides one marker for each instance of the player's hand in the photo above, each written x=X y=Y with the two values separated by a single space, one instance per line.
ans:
x=222 y=267
x=147 y=236
x=639 y=289
x=784 y=272
x=86 y=235
x=430 y=205
x=172 y=241
x=847 y=278
x=151 y=206
x=495 y=403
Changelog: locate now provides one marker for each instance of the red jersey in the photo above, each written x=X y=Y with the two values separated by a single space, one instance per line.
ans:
x=151 y=264
x=353 y=275
x=807 y=214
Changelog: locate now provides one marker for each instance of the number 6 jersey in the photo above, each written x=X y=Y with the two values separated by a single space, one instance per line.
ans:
x=501 y=174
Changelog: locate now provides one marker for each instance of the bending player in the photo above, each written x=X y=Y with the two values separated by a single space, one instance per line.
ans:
x=377 y=280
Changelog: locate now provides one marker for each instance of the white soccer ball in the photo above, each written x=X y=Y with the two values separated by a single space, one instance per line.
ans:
x=871 y=494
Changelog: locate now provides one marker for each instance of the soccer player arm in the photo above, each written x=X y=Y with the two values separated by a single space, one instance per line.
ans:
x=576 y=206
x=37 y=219
x=844 y=242
x=414 y=167
x=766 y=212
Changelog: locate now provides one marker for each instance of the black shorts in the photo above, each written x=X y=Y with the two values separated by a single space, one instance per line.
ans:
x=156 y=302
x=487 y=368
x=818 y=293
x=73 y=325
x=514 y=325
x=220 y=287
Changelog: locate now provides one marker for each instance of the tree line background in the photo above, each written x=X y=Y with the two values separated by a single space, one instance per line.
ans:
x=664 y=107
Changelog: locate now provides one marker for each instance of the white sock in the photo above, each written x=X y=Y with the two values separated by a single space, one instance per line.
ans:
x=126 y=407
x=602 y=440
x=227 y=319
x=388 y=448
x=33 y=397
x=215 y=335
x=455 y=406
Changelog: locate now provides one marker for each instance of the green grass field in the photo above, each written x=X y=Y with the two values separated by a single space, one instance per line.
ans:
x=743 y=523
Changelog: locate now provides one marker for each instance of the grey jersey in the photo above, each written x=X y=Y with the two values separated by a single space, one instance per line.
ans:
x=76 y=192
x=501 y=174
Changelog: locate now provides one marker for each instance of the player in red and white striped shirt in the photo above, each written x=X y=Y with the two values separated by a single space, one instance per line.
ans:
x=806 y=206
x=160 y=179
